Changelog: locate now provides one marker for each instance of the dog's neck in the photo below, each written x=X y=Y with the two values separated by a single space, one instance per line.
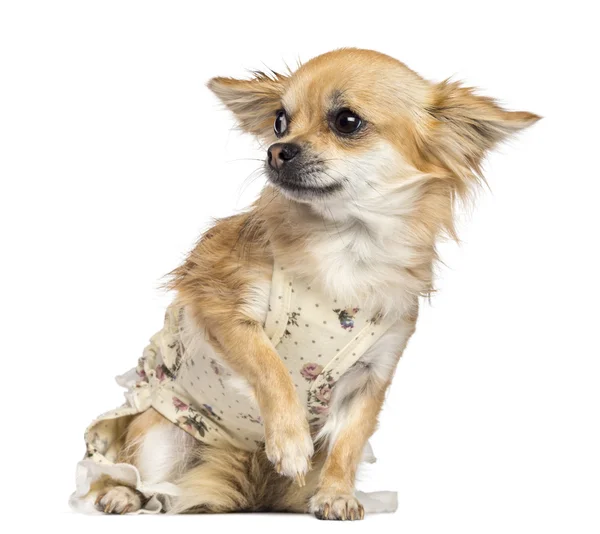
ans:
x=374 y=252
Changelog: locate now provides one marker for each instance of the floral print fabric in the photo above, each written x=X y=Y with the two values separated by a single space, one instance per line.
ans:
x=317 y=341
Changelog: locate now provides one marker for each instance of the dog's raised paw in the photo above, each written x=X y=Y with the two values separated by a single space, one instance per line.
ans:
x=335 y=506
x=290 y=448
x=118 y=500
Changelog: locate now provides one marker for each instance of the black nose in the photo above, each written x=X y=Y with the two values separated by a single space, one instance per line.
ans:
x=279 y=153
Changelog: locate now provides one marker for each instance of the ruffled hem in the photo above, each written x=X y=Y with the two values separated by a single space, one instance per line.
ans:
x=159 y=495
x=89 y=472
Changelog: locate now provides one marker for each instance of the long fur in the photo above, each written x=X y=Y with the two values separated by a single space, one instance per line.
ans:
x=373 y=242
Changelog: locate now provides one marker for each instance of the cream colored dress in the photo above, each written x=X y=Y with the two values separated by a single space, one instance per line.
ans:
x=316 y=340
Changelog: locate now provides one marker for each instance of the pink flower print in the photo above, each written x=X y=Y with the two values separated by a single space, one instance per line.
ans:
x=160 y=372
x=319 y=410
x=310 y=371
x=140 y=370
x=179 y=404
x=323 y=394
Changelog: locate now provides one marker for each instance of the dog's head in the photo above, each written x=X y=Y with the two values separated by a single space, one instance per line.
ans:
x=353 y=123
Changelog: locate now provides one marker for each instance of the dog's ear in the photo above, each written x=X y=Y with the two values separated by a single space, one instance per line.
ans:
x=466 y=126
x=254 y=102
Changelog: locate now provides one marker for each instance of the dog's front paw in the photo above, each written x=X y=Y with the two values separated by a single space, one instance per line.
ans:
x=289 y=446
x=118 y=500
x=336 y=506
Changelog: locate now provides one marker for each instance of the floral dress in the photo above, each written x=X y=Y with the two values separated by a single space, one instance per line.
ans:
x=184 y=379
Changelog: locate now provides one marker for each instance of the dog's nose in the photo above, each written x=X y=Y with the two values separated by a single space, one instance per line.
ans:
x=280 y=153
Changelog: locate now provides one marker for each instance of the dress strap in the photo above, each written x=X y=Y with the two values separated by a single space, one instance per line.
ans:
x=279 y=303
x=345 y=359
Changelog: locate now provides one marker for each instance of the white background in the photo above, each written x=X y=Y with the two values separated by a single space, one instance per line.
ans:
x=114 y=157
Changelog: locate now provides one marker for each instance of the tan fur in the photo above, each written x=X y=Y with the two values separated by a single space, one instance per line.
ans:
x=229 y=480
x=435 y=136
x=135 y=433
x=218 y=480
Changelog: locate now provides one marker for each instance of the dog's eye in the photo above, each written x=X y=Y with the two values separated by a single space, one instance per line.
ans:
x=346 y=122
x=281 y=123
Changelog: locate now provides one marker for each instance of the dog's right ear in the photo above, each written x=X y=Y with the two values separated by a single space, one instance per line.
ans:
x=254 y=102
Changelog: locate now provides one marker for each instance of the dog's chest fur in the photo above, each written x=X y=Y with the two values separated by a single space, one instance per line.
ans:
x=340 y=265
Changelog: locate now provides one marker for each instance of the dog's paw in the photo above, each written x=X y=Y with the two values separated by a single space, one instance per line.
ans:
x=118 y=500
x=289 y=447
x=336 y=506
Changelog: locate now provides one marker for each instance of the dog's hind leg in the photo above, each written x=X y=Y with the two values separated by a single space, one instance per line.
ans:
x=159 y=450
x=116 y=499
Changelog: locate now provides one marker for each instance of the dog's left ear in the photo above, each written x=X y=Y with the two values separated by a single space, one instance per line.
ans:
x=254 y=102
x=466 y=126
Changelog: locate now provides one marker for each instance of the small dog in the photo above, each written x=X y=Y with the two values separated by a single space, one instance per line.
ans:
x=261 y=391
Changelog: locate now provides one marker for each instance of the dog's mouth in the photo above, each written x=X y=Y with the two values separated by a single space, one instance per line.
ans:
x=295 y=187
x=303 y=185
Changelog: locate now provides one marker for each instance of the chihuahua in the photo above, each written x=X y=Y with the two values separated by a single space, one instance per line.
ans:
x=261 y=391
